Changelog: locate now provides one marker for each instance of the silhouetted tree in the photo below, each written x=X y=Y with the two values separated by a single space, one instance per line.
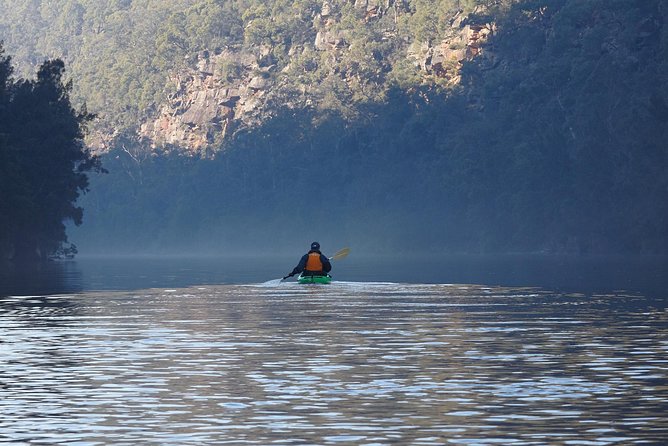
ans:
x=7 y=207
x=43 y=162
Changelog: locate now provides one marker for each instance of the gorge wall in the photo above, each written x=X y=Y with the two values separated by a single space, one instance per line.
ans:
x=228 y=89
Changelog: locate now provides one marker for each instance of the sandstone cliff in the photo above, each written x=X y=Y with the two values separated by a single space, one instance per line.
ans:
x=231 y=89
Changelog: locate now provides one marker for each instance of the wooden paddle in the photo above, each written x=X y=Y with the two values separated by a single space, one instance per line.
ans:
x=340 y=254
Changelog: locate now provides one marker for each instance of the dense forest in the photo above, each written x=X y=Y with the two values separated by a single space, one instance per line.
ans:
x=554 y=140
x=122 y=52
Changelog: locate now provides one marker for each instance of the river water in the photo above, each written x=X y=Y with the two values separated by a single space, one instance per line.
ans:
x=157 y=356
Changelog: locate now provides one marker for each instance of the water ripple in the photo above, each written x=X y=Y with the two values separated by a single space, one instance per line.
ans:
x=351 y=363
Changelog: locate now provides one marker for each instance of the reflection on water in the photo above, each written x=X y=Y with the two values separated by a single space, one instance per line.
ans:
x=350 y=363
x=40 y=279
x=647 y=275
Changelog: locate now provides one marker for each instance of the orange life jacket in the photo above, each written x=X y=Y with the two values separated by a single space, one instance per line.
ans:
x=313 y=263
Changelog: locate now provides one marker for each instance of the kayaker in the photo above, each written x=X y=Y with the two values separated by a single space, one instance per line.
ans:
x=313 y=263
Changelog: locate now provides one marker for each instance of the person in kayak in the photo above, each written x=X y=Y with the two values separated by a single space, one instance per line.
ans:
x=313 y=263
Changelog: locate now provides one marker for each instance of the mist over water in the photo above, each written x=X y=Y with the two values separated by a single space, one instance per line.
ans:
x=549 y=137
x=459 y=350
x=647 y=275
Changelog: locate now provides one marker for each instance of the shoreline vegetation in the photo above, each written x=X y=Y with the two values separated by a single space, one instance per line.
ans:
x=545 y=133
x=44 y=163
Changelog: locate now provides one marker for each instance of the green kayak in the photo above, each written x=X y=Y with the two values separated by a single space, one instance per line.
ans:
x=314 y=279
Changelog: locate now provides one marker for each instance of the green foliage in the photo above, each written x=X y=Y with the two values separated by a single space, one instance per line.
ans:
x=122 y=52
x=568 y=119
x=558 y=147
x=554 y=140
x=44 y=161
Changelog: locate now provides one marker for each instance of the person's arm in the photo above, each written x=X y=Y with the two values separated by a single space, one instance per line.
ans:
x=326 y=264
x=300 y=266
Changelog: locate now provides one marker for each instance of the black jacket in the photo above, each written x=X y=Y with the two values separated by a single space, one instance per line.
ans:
x=326 y=265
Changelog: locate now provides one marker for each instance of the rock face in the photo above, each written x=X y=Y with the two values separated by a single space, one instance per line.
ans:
x=204 y=103
x=445 y=58
x=232 y=89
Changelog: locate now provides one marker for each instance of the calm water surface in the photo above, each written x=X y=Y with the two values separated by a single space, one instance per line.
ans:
x=368 y=363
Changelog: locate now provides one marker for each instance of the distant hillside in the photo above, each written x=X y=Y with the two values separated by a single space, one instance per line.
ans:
x=186 y=72
x=497 y=125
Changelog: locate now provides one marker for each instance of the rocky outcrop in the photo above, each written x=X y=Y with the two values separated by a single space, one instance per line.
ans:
x=232 y=89
x=204 y=103
x=329 y=40
x=467 y=41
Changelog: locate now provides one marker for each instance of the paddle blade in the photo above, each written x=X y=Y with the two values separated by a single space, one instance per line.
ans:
x=340 y=254
x=273 y=282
